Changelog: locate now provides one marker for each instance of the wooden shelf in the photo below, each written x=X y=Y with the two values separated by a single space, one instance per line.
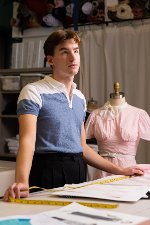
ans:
x=44 y=70
x=8 y=156
x=8 y=116
x=9 y=92
x=9 y=126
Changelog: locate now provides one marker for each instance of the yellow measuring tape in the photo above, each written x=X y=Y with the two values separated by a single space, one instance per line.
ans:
x=64 y=203
x=110 y=180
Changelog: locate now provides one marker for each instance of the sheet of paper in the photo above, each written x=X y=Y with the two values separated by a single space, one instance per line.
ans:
x=110 y=192
x=74 y=214
x=136 y=180
x=37 y=219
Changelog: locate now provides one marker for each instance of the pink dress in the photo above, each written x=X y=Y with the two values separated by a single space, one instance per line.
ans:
x=118 y=130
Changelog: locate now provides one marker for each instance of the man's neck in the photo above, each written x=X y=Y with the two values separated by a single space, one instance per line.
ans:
x=67 y=81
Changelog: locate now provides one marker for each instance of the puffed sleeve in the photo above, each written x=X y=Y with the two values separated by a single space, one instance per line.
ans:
x=144 y=125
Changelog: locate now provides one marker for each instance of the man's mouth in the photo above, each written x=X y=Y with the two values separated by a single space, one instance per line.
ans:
x=73 y=66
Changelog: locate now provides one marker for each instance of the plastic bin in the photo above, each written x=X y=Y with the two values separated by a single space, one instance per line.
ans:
x=10 y=83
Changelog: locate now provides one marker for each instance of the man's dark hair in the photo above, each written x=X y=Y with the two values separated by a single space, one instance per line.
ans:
x=58 y=37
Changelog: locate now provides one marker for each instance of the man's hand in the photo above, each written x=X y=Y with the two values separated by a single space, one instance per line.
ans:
x=16 y=190
x=134 y=170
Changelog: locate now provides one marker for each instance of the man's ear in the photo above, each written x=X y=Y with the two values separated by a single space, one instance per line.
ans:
x=50 y=60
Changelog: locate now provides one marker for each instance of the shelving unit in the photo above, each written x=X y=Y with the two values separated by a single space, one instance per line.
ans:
x=8 y=104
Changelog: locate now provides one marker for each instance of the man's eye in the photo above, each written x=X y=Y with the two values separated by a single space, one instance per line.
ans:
x=64 y=52
x=76 y=51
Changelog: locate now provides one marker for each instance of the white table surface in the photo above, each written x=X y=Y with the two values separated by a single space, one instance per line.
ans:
x=140 y=208
x=7 y=175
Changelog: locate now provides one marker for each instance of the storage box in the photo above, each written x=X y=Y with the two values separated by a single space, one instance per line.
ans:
x=10 y=83
x=29 y=78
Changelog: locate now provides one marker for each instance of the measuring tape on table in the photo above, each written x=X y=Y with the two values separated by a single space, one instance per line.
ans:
x=99 y=181
x=64 y=203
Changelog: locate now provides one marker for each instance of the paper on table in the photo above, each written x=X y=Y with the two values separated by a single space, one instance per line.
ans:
x=136 y=180
x=145 y=167
x=110 y=192
x=37 y=219
x=76 y=214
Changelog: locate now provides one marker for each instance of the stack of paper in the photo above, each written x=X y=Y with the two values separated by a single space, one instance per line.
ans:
x=129 y=190
x=108 y=191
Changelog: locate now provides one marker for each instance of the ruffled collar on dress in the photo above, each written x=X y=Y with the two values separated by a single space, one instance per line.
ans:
x=110 y=112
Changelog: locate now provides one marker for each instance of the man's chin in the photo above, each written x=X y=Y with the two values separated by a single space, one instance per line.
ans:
x=75 y=72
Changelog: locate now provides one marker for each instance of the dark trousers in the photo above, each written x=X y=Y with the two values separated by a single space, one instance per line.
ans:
x=53 y=170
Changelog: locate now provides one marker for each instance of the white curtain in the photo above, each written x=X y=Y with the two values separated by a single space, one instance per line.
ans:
x=117 y=53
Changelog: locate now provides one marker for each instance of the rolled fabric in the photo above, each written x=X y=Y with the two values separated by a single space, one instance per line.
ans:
x=87 y=8
x=124 y=12
x=51 y=21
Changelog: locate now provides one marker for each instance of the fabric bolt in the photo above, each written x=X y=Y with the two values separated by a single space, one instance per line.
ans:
x=48 y=100
x=118 y=130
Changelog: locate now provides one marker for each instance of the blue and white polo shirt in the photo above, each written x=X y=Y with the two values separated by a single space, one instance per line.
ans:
x=59 y=120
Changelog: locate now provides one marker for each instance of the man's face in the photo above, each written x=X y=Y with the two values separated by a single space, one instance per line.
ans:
x=66 y=59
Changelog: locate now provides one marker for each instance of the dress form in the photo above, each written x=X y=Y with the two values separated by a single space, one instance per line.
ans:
x=118 y=128
x=117 y=98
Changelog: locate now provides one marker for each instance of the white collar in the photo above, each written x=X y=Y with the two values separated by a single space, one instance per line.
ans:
x=110 y=112
x=58 y=85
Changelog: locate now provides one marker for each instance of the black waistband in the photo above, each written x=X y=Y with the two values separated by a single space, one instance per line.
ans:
x=58 y=155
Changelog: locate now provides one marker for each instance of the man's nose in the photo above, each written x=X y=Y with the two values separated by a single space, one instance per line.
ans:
x=72 y=56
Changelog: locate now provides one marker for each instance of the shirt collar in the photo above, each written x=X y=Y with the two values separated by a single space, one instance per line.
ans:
x=110 y=112
x=58 y=85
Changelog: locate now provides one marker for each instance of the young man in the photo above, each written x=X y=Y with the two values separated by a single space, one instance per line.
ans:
x=52 y=147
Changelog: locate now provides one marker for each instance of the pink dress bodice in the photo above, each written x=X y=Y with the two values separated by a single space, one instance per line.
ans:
x=118 y=130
